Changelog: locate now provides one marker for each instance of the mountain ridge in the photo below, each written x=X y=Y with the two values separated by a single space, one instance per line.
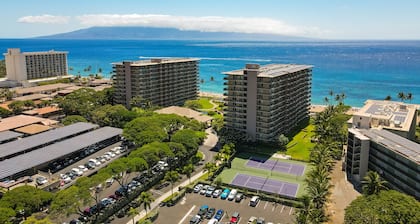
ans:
x=150 y=33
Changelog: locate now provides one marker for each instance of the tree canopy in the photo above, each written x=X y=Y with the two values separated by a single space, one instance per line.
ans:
x=385 y=207
x=25 y=200
x=73 y=119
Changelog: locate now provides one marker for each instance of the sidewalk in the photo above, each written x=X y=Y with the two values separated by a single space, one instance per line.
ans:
x=165 y=195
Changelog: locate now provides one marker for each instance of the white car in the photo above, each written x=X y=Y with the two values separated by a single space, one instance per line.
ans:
x=101 y=159
x=65 y=178
x=232 y=194
x=96 y=162
x=116 y=150
x=76 y=172
x=82 y=168
x=107 y=157
x=110 y=154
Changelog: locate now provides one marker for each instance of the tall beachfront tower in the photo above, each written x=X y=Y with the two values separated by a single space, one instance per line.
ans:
x=266 y=101
x=164 y=82
x=22 y=66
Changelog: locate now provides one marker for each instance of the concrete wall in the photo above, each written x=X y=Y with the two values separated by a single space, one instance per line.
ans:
x=127 y=77
x=15 y=65
x=251 y=106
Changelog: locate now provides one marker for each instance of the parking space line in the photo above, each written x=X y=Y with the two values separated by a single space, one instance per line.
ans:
x=291 y=209
x=265 y=206
x=282 y=209
x=186 y=215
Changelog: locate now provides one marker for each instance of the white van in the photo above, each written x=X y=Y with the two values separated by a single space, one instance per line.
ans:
x=232 y=194
x=213 y=221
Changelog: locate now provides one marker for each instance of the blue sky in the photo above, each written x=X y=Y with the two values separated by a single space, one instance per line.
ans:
x=333 y=19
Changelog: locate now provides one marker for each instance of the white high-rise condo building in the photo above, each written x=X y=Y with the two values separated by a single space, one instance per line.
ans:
x=22 y=66
x=266 y=101
x=164 y=82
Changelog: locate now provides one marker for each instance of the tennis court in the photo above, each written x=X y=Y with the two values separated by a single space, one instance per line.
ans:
x=276 y=165
x=266 y=184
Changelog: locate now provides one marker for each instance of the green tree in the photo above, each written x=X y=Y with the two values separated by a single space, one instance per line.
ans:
x=172 y=177
x=409 y=96
x=111 y=115
x=17 y=106
x=388 y=97
x=372 y=183
x=6 y=94
x=186 y=137
x=146 y=199
x=385 y=207
x=402 y=96
x=5 y=113
x=38 y=219
x=218 y=181
x=139 y=101
x=73 y=119
x=70 y=201
x=6 y=214
x=26 y=199
x=187 y=170
x=282 y=141
x=193 y=104
x=132 y=213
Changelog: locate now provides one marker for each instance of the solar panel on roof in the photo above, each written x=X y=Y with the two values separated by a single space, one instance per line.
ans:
x=7 y=135
x=399 y=118
x=34 y=141
x=43 y=155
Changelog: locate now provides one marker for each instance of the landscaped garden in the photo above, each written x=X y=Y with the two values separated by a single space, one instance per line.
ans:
x=300 y=145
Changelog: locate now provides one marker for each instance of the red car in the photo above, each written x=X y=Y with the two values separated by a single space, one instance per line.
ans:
x=235 y=218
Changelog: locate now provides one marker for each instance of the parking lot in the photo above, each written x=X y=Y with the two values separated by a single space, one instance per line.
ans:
x=189 y=206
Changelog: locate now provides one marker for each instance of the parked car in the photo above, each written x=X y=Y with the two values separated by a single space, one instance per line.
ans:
x=101 y=159
x=203 y=210
x=116 y=150
x=219 y=214
x=195 y=220
x=41 y=180
x=65 y=178
x=90 y=165
x=213 y=221
x=232 y=194
x=82 y=168
x=252 y=220
x=239 y=197
x=235 y=218
x=107 y=201
x=210 y=213
x=203 y=191
x=209 y=191
x=76 y=172
x=109 y=182
x=106 y=157
x=121 y=191
x=260 y=220
x=217 y=193
x=110 y=154
x=94 y=161
x=225 y=194
x=254 y=201
x=198 y=188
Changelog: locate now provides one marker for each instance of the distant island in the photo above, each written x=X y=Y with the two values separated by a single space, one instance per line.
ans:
x=149 y=33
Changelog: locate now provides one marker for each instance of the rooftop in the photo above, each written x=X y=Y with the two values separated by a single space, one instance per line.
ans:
x=35 y=96
x=271 y=70
x=33 y=129
x=40 y=89
x=18 y=121
x=48 y=153
x=34 y=141
x=42 y=111
x=8 y=135
x=186 y=112
x=388 y=114
x=156 y=61
x=17 y=51
x=394 y=142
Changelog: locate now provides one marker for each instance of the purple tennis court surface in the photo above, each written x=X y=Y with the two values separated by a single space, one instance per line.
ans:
x=265 y=184
x=275 y=165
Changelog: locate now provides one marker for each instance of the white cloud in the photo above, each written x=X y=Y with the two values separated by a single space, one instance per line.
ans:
x=205 y=24
x=49 y=19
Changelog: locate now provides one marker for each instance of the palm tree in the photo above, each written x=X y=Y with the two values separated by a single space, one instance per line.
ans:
x=303 y=214
x=188 y=169
x=326 y=100
x=147 y=199
x=401 y=96
x=409 y=96
x=331 y=93
x=372 y=183
x=132 y=213
x=343 y=96
x=388 y=97
x=172 y=177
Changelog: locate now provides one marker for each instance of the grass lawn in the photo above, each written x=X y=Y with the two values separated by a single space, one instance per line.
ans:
x=299 y=147
x=239 y=166
x=205 y=103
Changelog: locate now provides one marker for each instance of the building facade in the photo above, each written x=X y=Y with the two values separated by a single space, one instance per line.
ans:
x=380 y=143
x=266 y=101
x=22 y=66
x=164 y=82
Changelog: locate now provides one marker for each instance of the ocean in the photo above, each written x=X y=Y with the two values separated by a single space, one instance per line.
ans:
x=360 y=69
